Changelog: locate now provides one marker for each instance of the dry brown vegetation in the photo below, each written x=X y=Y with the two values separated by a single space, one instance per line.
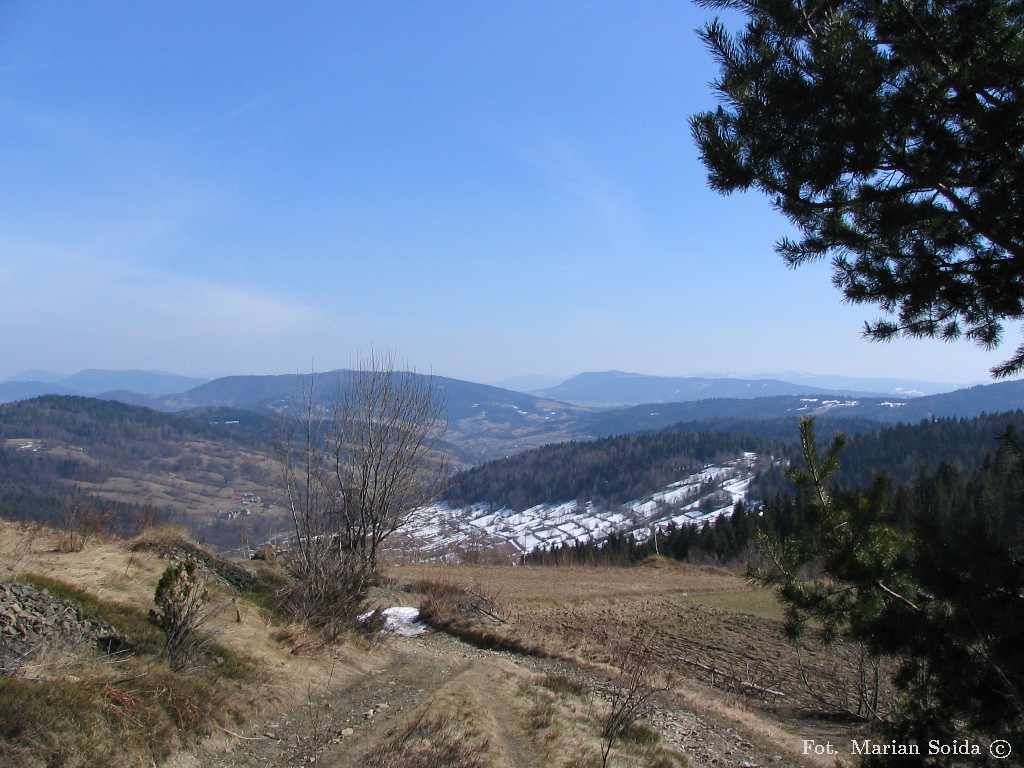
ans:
x=69 y=707
x=537 y=687
x=717 y=633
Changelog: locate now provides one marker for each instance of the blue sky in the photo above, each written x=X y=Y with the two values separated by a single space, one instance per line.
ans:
x=487 y=189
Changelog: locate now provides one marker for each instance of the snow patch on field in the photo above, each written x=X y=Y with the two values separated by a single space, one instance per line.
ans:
x=440 y=531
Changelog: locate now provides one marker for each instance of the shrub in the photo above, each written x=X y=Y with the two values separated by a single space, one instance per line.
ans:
x=179 y=599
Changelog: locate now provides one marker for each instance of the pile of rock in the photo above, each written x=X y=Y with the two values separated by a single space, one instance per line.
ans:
x=31 y=618
x=234 y=576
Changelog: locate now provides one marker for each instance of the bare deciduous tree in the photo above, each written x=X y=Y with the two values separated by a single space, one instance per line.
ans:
x=384 y=452
x=354 y=466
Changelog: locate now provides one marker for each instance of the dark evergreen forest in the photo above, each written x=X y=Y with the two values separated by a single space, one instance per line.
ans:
x=625 y=467
x=943 y=469
x=973 y=486
x=901 y=452
x=611 y=469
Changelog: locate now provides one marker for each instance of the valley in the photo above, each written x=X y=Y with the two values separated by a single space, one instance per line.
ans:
x=543 y=575
x=484 y=422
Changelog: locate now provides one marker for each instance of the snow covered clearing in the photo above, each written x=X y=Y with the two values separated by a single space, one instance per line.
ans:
x=440 y=531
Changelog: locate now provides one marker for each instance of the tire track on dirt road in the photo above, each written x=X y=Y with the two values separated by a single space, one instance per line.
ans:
x=338 y=724
x=486 y=693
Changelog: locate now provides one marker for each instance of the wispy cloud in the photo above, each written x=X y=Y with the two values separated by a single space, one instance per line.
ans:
x=63 y=300
x=237 y=112
x=564 y=164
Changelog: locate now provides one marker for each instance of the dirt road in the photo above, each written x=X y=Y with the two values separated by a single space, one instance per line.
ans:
x=495 y=707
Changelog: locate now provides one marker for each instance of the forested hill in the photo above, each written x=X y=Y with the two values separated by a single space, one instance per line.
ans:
x=625 y=467
x=121 y=431
x=613 y=469
x=54 y=447
x=903 y=452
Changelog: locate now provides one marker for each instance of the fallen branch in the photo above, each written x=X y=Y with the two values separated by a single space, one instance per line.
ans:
x=244 y=738
x=487 y=605
x=745 y=685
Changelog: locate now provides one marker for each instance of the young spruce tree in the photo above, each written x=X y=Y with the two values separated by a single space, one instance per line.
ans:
x=947 y=604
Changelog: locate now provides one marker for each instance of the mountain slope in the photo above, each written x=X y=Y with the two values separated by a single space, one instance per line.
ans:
x=880 y=385
x=483 y=422
x=12 y=391
x=58 y=447
x=962 y=403
x=95 y=381
x=486 y=422
x=697 y=495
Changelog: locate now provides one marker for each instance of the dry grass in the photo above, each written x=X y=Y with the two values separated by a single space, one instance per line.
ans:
x=432 y=742
x=465 y=722
x=489 y=715
x=90 y=712
x=565 y=722
x=73 y=708
x=751 y=601
x=710 y=616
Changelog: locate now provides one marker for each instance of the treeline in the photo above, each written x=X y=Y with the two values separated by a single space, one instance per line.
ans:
x=622 y=468
x=611 y=469
x=725 y=540
x=901 y=452
x=27 y=505
x=943 y=504
x=904 y=450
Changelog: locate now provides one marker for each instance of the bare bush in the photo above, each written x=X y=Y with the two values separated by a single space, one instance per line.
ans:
x=30 y=532
x=81 y=518
x=856 y=682
x=446 y=602
x=633 y=693
x=751 y=678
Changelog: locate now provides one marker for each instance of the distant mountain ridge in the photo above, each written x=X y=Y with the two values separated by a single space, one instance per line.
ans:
x=483 y=421
x=961 y=403
x=93 y=382
x=204 y=456
x=608 y=389
x=880 y=385
x=486 y=422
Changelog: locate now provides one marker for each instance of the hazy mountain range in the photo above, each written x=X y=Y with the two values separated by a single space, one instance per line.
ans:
x=600 y=389
x=616 y=389
x=93 y=382
x=192 y=451
x=486 y=422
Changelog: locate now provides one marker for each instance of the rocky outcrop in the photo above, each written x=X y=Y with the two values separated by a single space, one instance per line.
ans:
x=31 y=618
